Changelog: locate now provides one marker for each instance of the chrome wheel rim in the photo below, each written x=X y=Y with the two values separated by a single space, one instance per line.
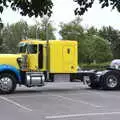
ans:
x=112 y=81
x=5 y=84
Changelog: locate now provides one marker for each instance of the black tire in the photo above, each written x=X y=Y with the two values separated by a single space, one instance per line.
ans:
x=110 y=81
x=7 y=83
x=93 y=85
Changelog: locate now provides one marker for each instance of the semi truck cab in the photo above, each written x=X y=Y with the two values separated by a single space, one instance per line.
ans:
x=35 y=53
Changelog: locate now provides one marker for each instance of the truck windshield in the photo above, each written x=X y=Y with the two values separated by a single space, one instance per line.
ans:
x=23 y=48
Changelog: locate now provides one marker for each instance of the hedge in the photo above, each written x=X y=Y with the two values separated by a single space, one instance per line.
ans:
x=96 y=66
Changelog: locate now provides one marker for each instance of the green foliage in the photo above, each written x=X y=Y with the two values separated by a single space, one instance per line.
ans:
x=113 y=37
x=101 y=50
x=72 y=30
x=44 y=7
x=85 y=4
x=92 y=31
x=98 y=66
x=95 y=49
x=39 y=30
x=12 y=34
x=29 y=7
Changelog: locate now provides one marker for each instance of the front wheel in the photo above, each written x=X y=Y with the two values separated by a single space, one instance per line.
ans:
x=111 y=81
x=7 y=83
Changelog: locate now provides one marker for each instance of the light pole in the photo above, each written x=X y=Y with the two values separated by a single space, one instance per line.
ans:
x=47 y=50
x=37 y=30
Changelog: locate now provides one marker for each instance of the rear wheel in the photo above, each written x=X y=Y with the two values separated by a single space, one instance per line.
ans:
x=111 y=81
x=7 y=83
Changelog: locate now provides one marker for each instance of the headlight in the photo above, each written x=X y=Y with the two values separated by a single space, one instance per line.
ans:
x=19 y=60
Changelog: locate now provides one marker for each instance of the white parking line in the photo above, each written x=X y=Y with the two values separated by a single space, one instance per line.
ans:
x=28 y=96
x=81 y=115
x=15 y=103
x=78 y=101
x=41 y=95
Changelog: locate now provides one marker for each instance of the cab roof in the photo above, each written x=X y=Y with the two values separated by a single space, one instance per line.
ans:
x=32 y=41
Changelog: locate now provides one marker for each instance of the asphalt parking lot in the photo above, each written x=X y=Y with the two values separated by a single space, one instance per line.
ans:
x=60 y=101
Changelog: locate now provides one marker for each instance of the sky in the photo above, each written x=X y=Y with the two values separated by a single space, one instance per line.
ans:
x=63 y=11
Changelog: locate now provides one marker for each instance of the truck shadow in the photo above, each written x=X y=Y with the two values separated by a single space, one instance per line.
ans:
x=62 y=90
x=51 y=91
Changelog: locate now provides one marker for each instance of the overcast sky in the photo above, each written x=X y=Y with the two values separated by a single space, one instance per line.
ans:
x=63 y=11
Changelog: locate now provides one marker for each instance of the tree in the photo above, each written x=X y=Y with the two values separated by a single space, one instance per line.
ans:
x=29 y=7
x=95 y=49
x=72 y=30
x=101 y=50
x=44 y=7
x=92 y=31
x=12 y=34
x=85 y=4
x=39 y=30
x=113 y=37
x=1 y=39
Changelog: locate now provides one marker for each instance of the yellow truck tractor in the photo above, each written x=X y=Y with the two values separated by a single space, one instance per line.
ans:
x=35 y=59
x=29 y=66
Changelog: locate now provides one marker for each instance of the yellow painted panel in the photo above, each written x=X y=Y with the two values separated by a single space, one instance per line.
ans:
x=63 y=56
x=33 y=61
x=9 y=59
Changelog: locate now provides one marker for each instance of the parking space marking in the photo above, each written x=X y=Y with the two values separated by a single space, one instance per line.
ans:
x=81 y=115
x=45 y=95
x=78 y=101
x=15 y=103
x=27 y=96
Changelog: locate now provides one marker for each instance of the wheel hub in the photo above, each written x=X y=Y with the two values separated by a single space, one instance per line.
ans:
x=5 y=83
x=112 y=81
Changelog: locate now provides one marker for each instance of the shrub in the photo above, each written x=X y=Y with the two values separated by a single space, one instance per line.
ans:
x=96 y=66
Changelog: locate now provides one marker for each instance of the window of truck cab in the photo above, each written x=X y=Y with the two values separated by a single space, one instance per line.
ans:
x=32 y=48
x=27 y=48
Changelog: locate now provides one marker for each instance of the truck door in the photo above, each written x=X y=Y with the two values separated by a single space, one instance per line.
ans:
x=33 y=57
